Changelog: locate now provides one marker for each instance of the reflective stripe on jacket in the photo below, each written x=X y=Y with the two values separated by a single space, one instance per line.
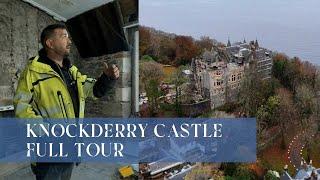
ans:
x=42 y=93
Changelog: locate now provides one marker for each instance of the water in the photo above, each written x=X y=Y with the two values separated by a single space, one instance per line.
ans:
x=289 y=26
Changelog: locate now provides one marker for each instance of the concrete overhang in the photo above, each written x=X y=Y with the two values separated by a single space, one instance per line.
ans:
x=62 y=10
x=97 y=27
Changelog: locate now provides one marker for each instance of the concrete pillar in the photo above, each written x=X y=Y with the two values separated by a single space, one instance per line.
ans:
x=136 y=73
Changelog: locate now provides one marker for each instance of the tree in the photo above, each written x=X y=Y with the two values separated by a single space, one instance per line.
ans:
x=207 y=171
x=149 y=43
x=267 y=114
x=153 y=93
x=177 y=78
x=305 y=101
x=167 y=50
x=146 y=58
x=286 y=71
x=243 y=172
x=317 y=98
x=287 y=112
x=229 y=168
x=309 y=74
x=154 y=46
x=151 y=74
x=205 y=42
x=317 y=81
x=254 y=91
x=272 y=175
x=185 y=50
x=292 y=72
x=280 y=63
x=237 y=171
x=145 y=37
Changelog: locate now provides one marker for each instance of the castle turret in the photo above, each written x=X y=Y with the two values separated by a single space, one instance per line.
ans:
x=256 y=44
x=229 y=43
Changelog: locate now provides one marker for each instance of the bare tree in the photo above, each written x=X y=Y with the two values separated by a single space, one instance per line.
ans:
x=305 y=101
x=251 y=94
x=287 y=112
x=317 y=98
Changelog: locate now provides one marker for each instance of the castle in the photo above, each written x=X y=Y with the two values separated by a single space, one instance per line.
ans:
x=219 y=71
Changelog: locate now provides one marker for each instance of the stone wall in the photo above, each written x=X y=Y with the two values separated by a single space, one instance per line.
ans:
x=117 y=102
x=20 y=28
x=196 y=109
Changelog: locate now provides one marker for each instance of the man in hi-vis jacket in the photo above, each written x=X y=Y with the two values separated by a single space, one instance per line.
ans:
x=51 y=87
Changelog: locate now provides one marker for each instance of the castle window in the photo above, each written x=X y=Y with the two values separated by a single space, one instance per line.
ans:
x=239 y=76
x=233 y=77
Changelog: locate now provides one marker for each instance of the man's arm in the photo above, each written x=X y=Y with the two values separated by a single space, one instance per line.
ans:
x=98 y=88
x=24 y=98
x=103 y=85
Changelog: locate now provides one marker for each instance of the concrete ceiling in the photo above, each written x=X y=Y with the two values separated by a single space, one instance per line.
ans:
x=65 y=9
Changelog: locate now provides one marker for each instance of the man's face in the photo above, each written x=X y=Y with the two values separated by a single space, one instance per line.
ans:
x=60 y=42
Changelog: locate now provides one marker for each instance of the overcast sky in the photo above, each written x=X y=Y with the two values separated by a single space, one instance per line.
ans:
x=290 y=26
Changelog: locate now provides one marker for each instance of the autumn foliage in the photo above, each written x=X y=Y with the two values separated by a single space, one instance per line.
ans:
x=186 y=49
x=292 y=72
x=169 y=48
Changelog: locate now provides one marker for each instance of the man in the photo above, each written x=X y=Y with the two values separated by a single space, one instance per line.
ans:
x=50 y=87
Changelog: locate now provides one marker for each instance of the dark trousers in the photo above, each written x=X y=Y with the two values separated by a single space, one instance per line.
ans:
x=52 y=171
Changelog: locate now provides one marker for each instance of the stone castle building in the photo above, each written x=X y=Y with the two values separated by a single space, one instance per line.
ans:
x=219 y=71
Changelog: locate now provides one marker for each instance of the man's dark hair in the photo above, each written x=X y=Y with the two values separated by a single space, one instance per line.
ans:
x=49 y=31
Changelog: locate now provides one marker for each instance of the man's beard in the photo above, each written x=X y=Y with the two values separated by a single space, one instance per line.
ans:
x=66 y=55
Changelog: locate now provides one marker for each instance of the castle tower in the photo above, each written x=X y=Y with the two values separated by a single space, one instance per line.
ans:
x=229 y=43
x=256 y=44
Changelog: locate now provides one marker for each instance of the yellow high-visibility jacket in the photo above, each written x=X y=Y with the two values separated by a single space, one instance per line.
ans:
x=42 y=93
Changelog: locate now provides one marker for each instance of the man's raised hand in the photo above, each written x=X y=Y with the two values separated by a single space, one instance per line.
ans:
x=111 y=71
